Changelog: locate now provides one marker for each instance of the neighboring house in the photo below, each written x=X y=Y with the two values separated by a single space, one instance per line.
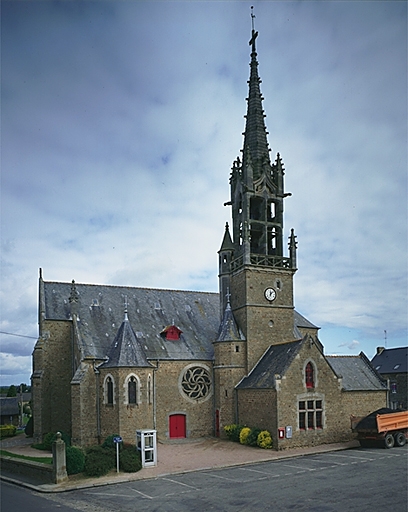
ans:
x=115 y=359
x=392 y=364
x=9 y=411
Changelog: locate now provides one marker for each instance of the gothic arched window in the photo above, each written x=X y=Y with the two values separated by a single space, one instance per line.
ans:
x=309 y=375
x=109 y=391
x=132 y=391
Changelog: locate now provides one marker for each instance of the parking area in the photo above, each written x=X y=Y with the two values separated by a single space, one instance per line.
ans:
x=359 y=479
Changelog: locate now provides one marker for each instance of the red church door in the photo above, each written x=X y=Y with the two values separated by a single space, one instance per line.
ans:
x=177 y=426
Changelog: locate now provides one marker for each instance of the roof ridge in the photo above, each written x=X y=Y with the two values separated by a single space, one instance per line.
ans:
x=132 y=287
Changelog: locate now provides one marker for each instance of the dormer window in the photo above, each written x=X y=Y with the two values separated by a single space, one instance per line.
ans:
x=171 y=333
x=309 y=376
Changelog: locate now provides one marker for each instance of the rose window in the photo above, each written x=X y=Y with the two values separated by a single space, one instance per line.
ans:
x=196 y=383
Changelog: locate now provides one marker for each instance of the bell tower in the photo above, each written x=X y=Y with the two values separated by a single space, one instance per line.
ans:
x=252 y=262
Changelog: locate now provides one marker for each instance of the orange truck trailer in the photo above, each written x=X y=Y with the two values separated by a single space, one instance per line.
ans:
x=385 y=426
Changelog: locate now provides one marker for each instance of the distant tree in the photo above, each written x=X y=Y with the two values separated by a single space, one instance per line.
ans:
x=12 y=391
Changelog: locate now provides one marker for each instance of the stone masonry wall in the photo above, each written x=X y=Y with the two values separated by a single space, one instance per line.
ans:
x=53 y=413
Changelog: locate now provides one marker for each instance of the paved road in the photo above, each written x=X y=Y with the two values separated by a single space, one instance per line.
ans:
x=353 y=480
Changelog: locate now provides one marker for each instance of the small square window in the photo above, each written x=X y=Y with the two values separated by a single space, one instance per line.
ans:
x=310 y=404
x=302 y=405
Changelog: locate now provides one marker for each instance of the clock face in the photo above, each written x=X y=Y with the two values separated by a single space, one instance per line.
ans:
x=270 y=294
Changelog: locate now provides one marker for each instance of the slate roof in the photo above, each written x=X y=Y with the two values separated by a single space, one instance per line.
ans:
x=275 y=361
x=126 y=350
x=391 y=360
x=100 y=310
x=229 y=330
x=356 y=372
x=9 y=406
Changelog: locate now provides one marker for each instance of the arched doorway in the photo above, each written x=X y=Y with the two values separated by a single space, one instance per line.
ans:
x=177 y=426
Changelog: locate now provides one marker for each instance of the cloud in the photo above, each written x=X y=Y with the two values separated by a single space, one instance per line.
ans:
x=120 y=122
x=351 y=346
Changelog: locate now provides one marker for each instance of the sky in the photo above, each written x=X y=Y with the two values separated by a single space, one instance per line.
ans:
x=119 y=125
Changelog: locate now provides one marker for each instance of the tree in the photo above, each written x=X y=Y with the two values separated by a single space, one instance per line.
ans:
x=12 y=391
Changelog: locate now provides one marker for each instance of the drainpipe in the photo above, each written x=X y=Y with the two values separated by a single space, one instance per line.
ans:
x=154 y=395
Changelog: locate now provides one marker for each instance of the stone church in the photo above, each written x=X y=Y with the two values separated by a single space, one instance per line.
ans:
x=115 y=359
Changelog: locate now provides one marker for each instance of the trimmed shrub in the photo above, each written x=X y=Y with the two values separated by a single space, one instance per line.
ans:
x=29 y=428
x=108 y=443
x=7 y=431
x=233 y=432
x=253 y=437
x=99 y=461
x=264 y=439
x=47 y=441
x=75 y=459
x=129 y=459
x=243 y=436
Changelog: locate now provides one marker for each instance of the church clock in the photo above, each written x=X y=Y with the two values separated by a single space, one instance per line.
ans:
x=270 y=294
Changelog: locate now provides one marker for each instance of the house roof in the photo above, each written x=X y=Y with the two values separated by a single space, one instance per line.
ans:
x=391 y=360
x=9 y=406
x=272 y=364
x=357 y=373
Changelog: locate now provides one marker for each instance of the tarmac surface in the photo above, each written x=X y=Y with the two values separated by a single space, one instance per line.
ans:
x=173 y=457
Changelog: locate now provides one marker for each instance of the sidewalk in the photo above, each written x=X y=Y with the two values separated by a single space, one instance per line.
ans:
x=173 y=457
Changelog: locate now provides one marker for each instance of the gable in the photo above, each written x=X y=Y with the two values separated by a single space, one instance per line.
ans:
x=273 y=363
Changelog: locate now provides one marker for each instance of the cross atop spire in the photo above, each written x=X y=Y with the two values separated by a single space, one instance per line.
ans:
x=254 y=34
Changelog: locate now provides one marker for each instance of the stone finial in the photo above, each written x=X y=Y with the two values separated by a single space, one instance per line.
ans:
x=74 y=295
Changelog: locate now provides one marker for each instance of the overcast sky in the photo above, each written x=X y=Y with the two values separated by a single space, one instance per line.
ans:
x=120 y=123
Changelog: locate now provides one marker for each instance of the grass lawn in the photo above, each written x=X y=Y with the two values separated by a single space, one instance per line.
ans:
x=44 y=460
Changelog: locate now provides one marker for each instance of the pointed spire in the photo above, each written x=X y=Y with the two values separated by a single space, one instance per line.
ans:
x=227 y=244
x=126 y=350
x=293 y=249
x=255 y=135
x=229 y=330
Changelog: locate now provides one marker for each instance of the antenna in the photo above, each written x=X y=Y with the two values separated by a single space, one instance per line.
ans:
x=385 y=338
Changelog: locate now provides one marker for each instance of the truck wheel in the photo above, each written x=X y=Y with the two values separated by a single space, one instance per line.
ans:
x=399 y=439
x=389 y=441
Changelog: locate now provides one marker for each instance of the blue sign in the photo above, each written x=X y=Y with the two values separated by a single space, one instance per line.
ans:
x=117 y=439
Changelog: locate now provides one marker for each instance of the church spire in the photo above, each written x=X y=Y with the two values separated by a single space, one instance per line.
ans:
x=257 y=187
x=255 y=136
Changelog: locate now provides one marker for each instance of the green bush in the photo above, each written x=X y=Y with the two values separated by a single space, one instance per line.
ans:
x=264 y=439
x=253 y=437
x=108 y=443
x=29 y=428
x=243 y=436
x=7 y=431
x=99 y=461
x=49 y=438
x=233 y=432
x=75 y=460
x=129 y=459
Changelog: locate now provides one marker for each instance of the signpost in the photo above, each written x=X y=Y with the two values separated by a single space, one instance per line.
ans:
x=117 y=440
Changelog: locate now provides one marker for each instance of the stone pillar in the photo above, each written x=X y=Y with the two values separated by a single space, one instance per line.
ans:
x=59 y=460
